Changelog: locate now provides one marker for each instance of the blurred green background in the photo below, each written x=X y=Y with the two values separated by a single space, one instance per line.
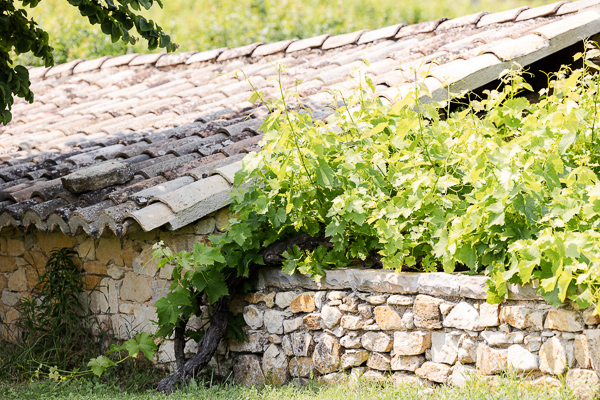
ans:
x=205 y=24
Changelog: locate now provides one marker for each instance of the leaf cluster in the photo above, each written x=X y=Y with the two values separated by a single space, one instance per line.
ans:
x=19 y=35
x=502 y=187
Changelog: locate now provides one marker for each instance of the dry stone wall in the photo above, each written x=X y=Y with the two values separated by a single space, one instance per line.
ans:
x=430 y=328
x=125 y=278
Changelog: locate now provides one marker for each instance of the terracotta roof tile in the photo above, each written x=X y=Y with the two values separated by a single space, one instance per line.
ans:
x=182 y=130
x=146 y=59
x=237 y=52
x=309 y=43
x=540 y=11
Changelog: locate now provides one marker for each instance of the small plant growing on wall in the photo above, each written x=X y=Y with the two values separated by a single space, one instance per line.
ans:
x=54 y=328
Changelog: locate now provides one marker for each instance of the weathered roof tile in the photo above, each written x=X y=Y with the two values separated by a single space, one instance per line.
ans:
x=460 y=22
x=500 y=17
x=309 y=43
x=344 y=39
x=541 y=11
x=271 y=48
x=238 y=52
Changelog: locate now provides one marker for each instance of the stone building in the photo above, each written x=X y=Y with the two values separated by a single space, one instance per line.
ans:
x=118 y=153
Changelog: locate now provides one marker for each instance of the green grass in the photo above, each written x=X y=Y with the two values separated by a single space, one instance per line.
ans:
x=505 y=389
x=205 y=24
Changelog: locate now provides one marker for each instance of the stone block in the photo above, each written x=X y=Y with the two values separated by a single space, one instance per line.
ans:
x=522 y=317
x=491 y=361
x=352 y=322
x=444 y=347
x=104 y=300
x=411 y=343
x=301 y=367
x=365 y=311
x=463 y=316
x=406 y=363
x=376 y=299
x=533 y=342
x=585 y=384
x=553 y=357
x=377 y=341
x=54 y=240
x=467 y=350
x=312 y=322
x=145 y=264
x=284 y=299
x=109 y=249
x=590 y=317
x=87 y=250
x=379 y=361
x=304 y=302
x=10 y=299
x=439 y=284
x=547 y=383
x=292 y=325
x=488 y=315
x=205 y=226
x=593 y=342
x=331 y=316
x=564 y=320
x=275 y=366
x=351 y=341
x=522 y=360
x=95 y=267
x=8 y=264
x=257 y=341
x=461 y=374
x=349 y=304
x=136 y=288
x=17 y=281
x=302 y=344
x=434 y=372
x=253 y=316
x=247 y=371
x=273 y=320
x=320 y=299
x=472 y=287
x=15 y=246
x=427 y=312
x=399 y=300
x=385 y=282
x=354 y=358
x=388 y=319
x=582 y=352
x=115 y=272
x=326 y=356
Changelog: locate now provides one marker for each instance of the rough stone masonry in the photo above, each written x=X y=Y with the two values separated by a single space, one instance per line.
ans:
x=415 y=328
x=427 y=328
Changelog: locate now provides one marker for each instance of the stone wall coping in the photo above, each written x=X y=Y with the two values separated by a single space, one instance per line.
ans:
x=385 y=281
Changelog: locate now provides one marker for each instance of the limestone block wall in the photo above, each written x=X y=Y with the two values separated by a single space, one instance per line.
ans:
x=433 y=328
x=121 y=269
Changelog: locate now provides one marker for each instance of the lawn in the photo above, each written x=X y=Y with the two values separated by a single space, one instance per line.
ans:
x=504 y=389
x=204 y=24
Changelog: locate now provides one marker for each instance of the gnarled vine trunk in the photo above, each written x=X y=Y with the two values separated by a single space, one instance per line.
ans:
x=207 y=347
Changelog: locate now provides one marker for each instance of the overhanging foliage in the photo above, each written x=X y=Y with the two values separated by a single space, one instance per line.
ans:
x=19 y=35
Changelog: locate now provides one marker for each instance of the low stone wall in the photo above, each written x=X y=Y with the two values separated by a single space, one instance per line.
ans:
x=408 y=327
x=122 y=271
x=378 y=324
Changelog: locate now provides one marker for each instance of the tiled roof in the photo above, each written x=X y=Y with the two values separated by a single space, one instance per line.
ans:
x=176 y=126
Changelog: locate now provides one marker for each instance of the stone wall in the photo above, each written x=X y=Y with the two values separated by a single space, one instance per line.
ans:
x=121 y=269
x=432 y=328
